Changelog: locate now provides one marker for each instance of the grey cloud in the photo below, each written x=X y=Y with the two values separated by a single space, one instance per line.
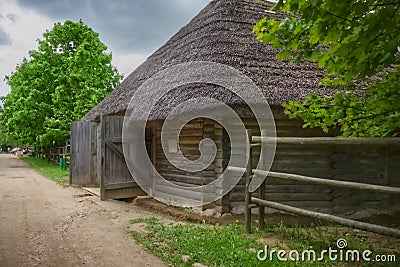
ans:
x=11 y=17
x=4 y=38
x=139 y=26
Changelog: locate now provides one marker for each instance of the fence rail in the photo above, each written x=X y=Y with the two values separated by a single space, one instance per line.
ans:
x=257 y=140
x=323 y=181
x=54 y=154
x=253 y=202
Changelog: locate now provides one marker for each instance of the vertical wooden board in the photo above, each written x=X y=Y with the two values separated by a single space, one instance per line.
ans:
x=81 y=164
x=392 y=168
x=81 y=143
x=102 y=156
x=72 y=166
x=93 y=154
x=88 y=153
x=98 y=153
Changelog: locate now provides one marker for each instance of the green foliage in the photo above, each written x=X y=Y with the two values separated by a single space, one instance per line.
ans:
x=352 y=41
x=376 y=115
x=5 y=138
x=63 y=79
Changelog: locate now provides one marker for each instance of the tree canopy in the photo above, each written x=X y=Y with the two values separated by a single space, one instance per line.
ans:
x=357 y=43
x=68 y=74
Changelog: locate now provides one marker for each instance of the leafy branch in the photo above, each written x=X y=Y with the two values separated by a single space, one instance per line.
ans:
x=353 y=44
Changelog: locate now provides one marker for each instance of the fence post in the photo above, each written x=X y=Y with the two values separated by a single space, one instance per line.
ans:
x=261 y=209
x=247 y=201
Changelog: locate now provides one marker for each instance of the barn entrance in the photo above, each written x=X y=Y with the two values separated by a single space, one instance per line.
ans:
x=97 y=159
x=116 y=180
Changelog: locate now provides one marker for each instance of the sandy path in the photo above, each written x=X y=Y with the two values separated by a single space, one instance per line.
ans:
x=44 y=224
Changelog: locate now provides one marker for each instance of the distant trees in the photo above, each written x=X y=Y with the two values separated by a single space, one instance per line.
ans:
x=60 y=82
x=358 y=45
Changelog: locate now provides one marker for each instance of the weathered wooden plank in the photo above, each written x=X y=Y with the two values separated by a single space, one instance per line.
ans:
x=331 y=218
x=120 y=185
x=129 y=192
x=182 y=192
x=293 y=188
x=190 y=133
x=83 y=154
x=282 y=197
x=330 y=141
x=183 y=178
x=92 y=190
x=115 y=149
x=248 y=174
x=328 y=182
x=73 y=174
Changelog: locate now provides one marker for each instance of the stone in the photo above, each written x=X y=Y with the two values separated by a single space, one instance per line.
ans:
x=185 y=258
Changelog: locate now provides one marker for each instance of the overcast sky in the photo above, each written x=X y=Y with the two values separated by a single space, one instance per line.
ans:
x=132 y=29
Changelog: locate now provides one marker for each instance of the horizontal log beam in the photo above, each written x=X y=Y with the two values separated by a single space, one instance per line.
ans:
x=328 y=140
x=331 y=218
x=322 y=181
x=334 y=183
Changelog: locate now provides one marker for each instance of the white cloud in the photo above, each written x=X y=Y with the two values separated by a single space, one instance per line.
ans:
x=24 y=27
x=128 y=35
x=126 y=63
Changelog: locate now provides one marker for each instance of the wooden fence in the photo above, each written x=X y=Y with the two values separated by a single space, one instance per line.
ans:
x=53 y=154
x=261 y=203
x=84 y=154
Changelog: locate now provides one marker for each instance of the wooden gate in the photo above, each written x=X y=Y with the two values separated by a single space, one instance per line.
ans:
x=83 y=161
x=116 y=180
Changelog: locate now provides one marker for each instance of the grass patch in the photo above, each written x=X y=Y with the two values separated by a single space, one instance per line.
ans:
x=228 y=245
x=48 y=170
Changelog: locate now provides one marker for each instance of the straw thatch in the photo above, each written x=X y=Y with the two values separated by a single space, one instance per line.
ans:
x=222 y=33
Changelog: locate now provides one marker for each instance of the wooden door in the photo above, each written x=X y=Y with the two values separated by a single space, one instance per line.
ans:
x=116 y=180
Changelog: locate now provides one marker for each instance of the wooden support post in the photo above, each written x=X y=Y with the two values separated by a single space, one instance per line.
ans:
x=261 y=209
x=247 y=201
x=154 y=156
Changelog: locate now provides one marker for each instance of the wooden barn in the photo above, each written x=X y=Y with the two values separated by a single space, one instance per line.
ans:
x=222 y=33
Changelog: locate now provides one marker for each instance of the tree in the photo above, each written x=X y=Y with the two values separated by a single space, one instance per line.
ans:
x=5 y=138
x=62 y=80
x=357 y=44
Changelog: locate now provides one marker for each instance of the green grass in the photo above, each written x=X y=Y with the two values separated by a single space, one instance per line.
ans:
x=229 y=245
x=49 y=170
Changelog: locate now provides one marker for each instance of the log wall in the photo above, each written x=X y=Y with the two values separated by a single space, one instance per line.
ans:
x=189 y=139
x=367 y=164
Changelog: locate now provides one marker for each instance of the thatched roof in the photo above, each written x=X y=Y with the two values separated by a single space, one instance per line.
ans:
x=222 y=33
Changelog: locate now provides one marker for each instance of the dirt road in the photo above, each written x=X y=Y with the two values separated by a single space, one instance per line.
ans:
x=44 y=224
